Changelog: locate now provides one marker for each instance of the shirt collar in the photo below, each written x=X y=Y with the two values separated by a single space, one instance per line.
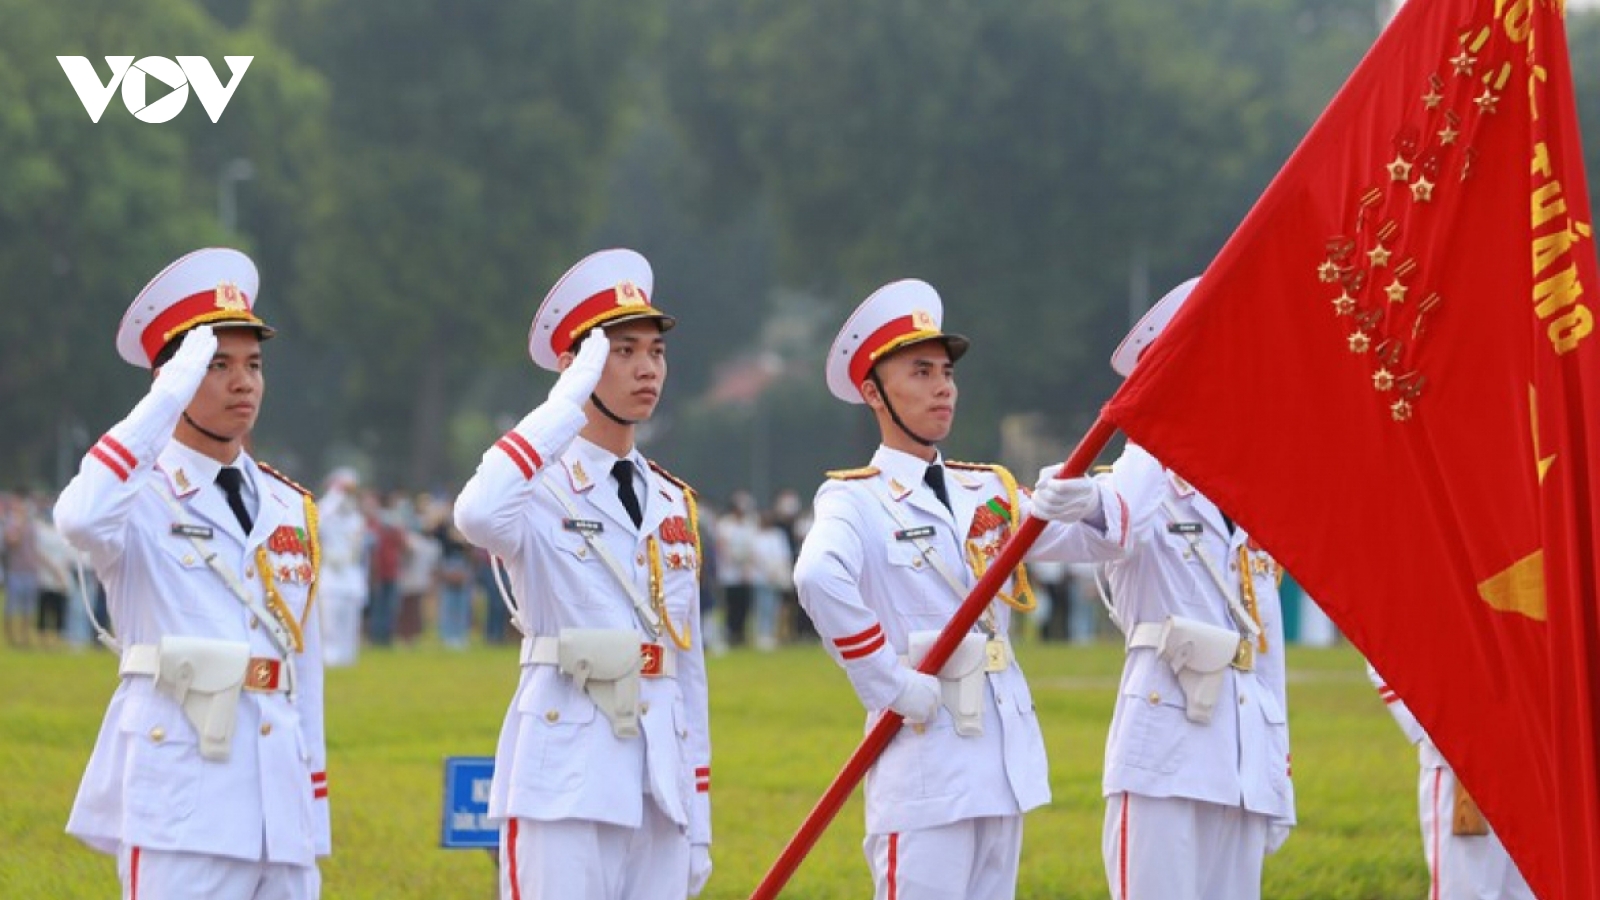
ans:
x=589 y=463
x=902 y=467
x=189 y=469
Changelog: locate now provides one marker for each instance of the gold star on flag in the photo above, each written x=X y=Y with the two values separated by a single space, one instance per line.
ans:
x=1448 y=135
x=1379 y=256
x=1344 y=304
x=1422 y=190
x=1396 y=291
x=1328 y=272
x=1383 y=379
x=1359 y=342
x=1432 y=99
x=1399 y=170
x=1400 y=409
x=1463 y=62
x=1486 y=101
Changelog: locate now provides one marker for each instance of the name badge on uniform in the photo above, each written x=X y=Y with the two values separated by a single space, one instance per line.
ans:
x=1185 y=528
x=203 y=532
x=912 y=534
x=583 y=526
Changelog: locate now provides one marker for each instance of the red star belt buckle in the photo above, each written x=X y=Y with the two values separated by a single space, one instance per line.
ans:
x=262 y=675
x=651 y=658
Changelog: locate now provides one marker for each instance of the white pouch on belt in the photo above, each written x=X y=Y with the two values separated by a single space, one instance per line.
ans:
x=205 y=676
x=604 y=662
x=1199 y=655
x=961 y=680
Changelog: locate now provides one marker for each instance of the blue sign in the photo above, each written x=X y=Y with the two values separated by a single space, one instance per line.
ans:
x=466 y=803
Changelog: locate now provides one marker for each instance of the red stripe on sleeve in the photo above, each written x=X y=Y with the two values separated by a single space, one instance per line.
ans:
x=110 y=463
x=120 y=451
x=861 y=637
x=526 y=448
x=864 y=650
x=516 y=456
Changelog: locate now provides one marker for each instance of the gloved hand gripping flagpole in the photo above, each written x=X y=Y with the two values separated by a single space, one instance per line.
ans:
x=855 y=768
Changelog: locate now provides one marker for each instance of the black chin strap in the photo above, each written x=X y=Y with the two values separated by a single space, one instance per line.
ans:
x=595 y=399
x=894 y=416
x=210 y=434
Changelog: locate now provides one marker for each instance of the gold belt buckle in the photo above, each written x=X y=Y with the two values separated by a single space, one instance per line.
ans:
x=996 y=657
x=651 y=660
x=1244 y=659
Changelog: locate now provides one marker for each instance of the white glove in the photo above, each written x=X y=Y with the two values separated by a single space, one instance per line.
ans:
x=579 y=380
x=1065 y=500
x=918 y=701
x=180 y=378
x=699 y=868
x=149 y=425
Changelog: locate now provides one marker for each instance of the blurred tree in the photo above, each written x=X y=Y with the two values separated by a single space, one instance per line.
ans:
x=1023 y=157
x=469 y=145
x=88 y=210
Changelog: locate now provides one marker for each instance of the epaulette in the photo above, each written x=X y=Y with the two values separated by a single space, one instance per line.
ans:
x=670 y=477
x=283 y=478
x=853 y=474
x=976 y=467
x=1100 y=470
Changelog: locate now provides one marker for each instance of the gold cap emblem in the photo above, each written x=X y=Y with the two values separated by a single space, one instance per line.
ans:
x=923 y=321
x=230 y=297
x=628 y=294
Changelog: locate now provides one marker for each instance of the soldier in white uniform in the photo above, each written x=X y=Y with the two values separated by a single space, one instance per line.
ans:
x=209 y=776
x=894 y=550
x=1196 y=776
x=603 y=774
x=342 y=587
x=1466 y=860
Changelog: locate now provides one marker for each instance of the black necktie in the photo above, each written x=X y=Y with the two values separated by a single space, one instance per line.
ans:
x=623 y=473
x=231 y=481
x=934 y=478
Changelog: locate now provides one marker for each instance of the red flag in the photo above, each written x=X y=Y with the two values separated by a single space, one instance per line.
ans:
x=1389 y=375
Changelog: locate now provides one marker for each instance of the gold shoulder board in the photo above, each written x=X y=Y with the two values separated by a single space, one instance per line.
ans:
x=853 y=474
x=684 y=485
x=283 y=478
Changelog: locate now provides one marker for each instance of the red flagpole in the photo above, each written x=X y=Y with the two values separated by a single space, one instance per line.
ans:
x=855 y=768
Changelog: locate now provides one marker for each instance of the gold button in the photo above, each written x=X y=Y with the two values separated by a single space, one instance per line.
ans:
x=188 y=560
x=1241 y=699
x=582 y=552
x=639 y=560
x=644 y=707
x=1154 y=698
x=158 y=734
x=916 y=563
x=254 y=623
x=552 y=716
x=249 y=573
x=919 y=728
x=266 y=729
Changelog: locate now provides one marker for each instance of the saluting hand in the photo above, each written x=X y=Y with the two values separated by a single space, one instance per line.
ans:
x=579 y=380
x=180 y=378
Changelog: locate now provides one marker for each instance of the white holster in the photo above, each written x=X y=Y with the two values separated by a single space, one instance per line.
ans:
x=205 y=676
x=604 y=662
x=1199 y=655
x=961 y=678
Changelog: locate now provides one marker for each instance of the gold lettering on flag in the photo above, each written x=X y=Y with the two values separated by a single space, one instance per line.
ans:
x=1543 y=462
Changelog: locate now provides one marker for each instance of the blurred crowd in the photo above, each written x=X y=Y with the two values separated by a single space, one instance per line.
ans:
x=396 y=572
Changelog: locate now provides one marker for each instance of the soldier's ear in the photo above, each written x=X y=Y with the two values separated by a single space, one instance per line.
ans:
x=869 y=393
x=565 y=360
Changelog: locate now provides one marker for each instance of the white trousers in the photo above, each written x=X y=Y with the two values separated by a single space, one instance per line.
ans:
x=573 y=858
x=164 y=875
x=1171 y=848
x=1462 y=867
x=973 y=859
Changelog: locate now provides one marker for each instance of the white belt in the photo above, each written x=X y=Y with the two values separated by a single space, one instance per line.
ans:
x=654 y=659
x=997 y=655
x=1148 y=634
x=264 y=674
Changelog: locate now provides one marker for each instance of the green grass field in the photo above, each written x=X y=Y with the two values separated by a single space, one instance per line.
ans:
x=783 y=723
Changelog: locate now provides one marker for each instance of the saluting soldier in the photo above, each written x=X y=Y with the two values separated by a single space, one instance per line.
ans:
x=1196 y=782
x=602 y=777
x=209 y=777
x=894 y=550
